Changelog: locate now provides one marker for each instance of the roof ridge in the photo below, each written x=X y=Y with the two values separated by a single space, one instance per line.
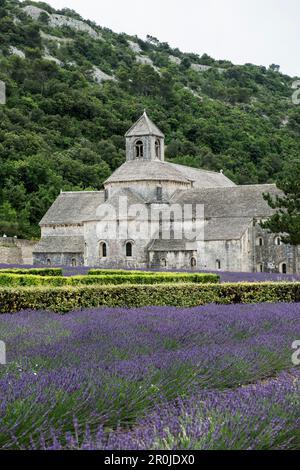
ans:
x=238 y=186
x=196 y=169
x=147 y=170
x=82 y=192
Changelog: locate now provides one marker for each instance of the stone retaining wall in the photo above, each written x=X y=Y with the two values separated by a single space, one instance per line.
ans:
x=15 y=251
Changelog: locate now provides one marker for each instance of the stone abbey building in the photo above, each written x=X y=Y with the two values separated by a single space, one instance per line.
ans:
x=76 y=229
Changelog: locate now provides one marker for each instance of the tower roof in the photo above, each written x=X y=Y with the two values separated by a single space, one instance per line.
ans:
x=144 y=126
x=141 y=170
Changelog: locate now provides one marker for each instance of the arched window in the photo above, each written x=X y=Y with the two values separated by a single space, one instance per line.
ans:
x=218 y=264
x=49 y=262
x=103 y=250
x=129 y=249
x=139 y=149
x=157 y=149
x=163 y=263
x=278 y=241
x=260 y=241
x=260 y=268
x=193 y=262
x=283 y=268
x=74 y=263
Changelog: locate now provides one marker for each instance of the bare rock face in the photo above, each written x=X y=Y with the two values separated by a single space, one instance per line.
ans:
x=200 y=68
x=61 y=20
x=141 y=59
x=33 y=11
x=174 y=59
x=144 y=60
x=100 y=76
x=285 y=121
x=15 y=51
x=16 y=20
x=2 y=92
x=134 y=47
x=204 y=68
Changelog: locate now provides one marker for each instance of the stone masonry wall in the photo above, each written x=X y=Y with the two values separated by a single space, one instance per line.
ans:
x=15 y=251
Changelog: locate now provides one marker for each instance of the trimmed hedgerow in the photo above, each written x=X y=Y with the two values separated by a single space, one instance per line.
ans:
x=14 y=280
x=65 y=299
x=33 y=271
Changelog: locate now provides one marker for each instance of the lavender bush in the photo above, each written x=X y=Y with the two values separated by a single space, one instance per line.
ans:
x=207 y=377
x=225 y=276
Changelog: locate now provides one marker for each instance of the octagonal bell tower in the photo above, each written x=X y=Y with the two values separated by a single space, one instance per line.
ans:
x=144 y=141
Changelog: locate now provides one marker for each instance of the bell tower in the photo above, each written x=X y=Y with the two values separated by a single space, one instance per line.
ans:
x=144 y=141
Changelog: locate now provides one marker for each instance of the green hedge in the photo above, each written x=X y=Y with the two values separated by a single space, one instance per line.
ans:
x=33 y=271
x=65 y=299
x=15 y=280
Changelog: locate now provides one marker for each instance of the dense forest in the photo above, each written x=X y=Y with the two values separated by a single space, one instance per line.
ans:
x=74 y=88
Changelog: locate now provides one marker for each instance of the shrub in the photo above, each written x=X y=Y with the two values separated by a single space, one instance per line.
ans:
x=33 y=271
x=13 y=280
x=65 y=299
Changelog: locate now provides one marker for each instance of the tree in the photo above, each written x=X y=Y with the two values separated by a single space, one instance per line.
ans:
x=62 y=130
x=3 y=12
x=275 y=67
x=8 y=220
x=152 y=39
x=44 y=18
x=286 y=219
x=185 y=63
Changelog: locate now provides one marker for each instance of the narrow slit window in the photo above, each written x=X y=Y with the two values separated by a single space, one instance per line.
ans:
x=157 y=149
x=103 y=250
x=129 y=250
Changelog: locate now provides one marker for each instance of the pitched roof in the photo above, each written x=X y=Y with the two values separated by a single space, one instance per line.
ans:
x=142 y=170
x=132 y=197
x=225 y=228
x=232 y=202
x=67 y=244
x=73 y=207
x=166 y=244
x=214 y=229
x=114 y=200
x=203 y=178
x=144 y=126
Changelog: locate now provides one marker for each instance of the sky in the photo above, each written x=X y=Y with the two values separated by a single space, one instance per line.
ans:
x=262 y=32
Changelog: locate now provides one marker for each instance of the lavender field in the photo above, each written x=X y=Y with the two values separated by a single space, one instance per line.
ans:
x=224 y=275
x=213 y=377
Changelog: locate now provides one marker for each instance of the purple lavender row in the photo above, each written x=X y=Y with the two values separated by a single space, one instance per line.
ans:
x=257 y=417
x=91 y=379
x=225 y=276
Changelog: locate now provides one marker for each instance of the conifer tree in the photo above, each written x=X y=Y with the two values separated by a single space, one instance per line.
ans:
x=286 y=219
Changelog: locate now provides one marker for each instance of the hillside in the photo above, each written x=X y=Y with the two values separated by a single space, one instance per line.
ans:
x=74 y=88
